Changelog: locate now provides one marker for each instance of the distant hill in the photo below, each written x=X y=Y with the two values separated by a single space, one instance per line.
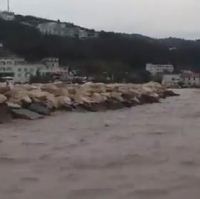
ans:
x=109 y=52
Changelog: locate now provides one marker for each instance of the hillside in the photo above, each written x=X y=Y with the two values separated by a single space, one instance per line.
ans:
x=109 y=52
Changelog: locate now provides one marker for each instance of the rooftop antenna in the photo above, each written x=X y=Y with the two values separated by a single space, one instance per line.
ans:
x=8 y=5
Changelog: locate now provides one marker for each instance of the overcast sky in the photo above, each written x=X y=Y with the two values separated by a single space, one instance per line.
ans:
x=156 y=18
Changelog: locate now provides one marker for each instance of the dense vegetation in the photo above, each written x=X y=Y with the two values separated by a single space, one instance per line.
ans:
x=112 y=53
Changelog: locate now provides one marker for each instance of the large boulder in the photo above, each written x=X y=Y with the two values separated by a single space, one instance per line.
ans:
x=3 y=99
x=154 y=86
x=117 y=96
x=51 y=88
x=19 y=96
x=38 y=95
x=5 y=115
x=3 y=88
x=25 y=114
x=51 y=102
x=149 y=98
x=72 y=91
x=39 y=108
x=13 y=105
x=94 y=87
x=169 y=93
x=55 y=90
x=131 y=102
x=62 y=100
x=99 y=98
x=44 y=97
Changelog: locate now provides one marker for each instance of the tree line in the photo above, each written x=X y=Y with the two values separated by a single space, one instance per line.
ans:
x=111 y=53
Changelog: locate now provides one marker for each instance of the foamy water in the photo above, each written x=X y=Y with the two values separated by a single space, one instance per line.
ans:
x=149 y=151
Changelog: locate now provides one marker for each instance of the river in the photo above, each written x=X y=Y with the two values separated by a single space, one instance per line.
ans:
x=148 y=151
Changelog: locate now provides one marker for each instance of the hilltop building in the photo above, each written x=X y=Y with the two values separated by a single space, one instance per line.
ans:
x=62 y=29
x=155 y=69
x=53 y=28
x=8 y=16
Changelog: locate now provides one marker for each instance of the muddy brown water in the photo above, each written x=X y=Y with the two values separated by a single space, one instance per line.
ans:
x=149 y=151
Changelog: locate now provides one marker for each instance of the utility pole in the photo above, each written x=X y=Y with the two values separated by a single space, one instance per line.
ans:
x=8 y=6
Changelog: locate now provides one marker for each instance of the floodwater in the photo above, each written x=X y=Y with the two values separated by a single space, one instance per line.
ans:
x=146 y=152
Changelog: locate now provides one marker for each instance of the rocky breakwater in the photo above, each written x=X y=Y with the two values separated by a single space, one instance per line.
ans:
x=38 y=100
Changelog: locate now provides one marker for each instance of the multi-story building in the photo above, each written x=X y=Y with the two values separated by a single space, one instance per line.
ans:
x=155 y=69
x=53 y=28
x=185 y=79
x=16 y=68
x=21 y=71
x=191 y=80
x=50 y=66
x=171 y=80
x=62 y=29
x=83 y=34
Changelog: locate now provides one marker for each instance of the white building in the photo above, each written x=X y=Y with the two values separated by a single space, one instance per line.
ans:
x=50 y=65
x=62 y=29
x=52 y=28
x=159 y=68
x=191 y=80
x=171 y=80
x=83 y=34
x=16 y=68
x=8 y=16
x=59 y=29
x=21 y=71
x=51 y=62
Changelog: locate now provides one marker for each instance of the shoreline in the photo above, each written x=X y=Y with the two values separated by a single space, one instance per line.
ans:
x=40 y=100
